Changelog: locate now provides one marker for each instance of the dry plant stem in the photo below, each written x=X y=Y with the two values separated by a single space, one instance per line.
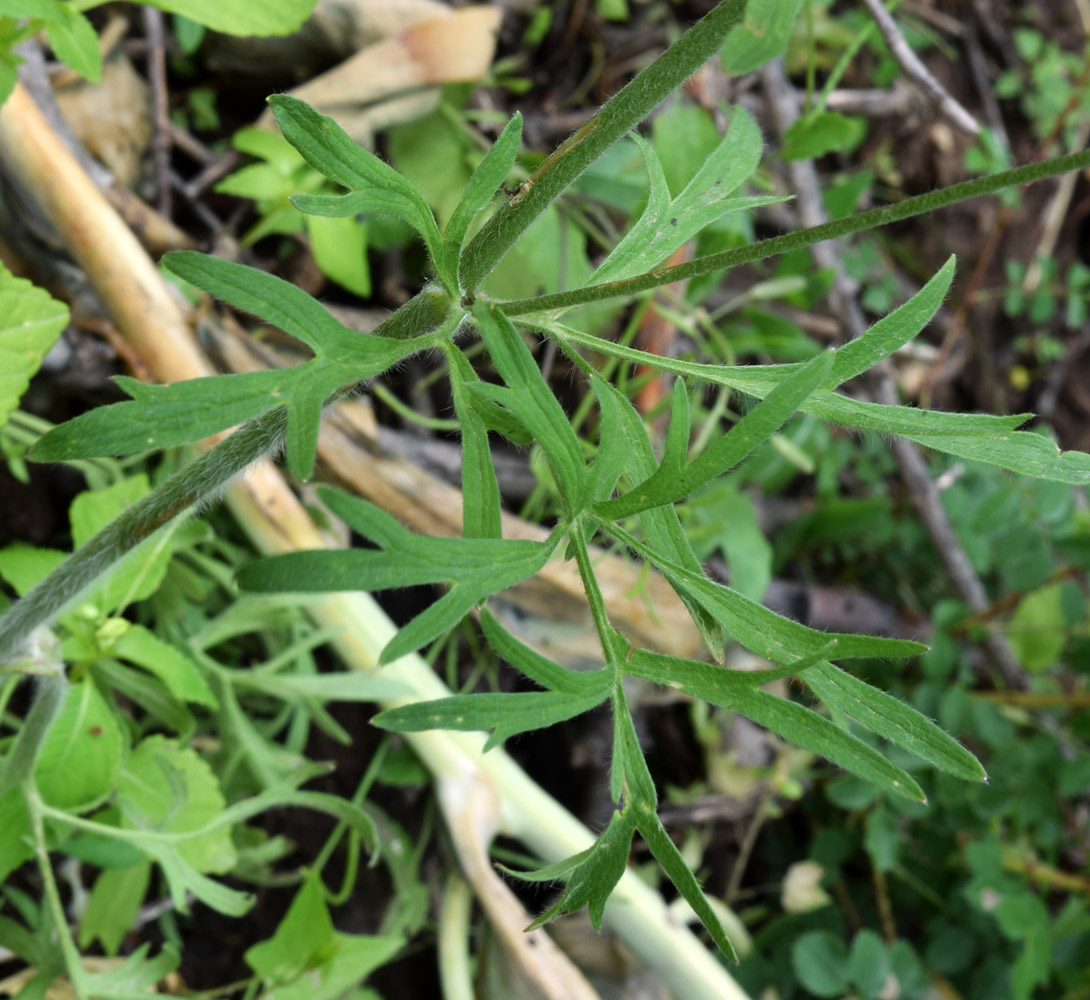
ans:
x=921 y=487
x=152 y=320
x=912 y=65
x=157 y=74
x=1054 y=217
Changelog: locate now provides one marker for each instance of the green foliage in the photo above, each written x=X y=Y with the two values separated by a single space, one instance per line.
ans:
x=79 y=764
x=32 y=322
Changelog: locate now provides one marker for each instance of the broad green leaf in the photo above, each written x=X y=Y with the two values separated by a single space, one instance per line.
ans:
x=670 y=484
x=16 y=834
x=306 y=958
x=821 y=132
x=820 y=961
x=529 y=397
x=893 y=720
x=480 y=489
x=242 y=17
x=9 y=77
x=502 y=715
x=763 y=34
x=44 y=9
x=168 y=788
x=474 y=568
x=78 y=763
x=793 y=722
x=373 y=186
x=869 y=963
x=138 y=574
x=666 y=225
x=74 y=41
x=181 y=676
x=166 y=415
x=303 y=939
x=115 y=900
x=340 y=251
x=485 y=182
x=24 y=565
x=1038 y=629
x=30 y=323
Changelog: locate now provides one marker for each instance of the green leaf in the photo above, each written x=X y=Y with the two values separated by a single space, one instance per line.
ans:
x=820 y=961
x=1038 y=629
x=882 y=838
x=166 y=415
x=136 y=977
x=502 y=715
x=821 y=132
x=594 y=876
x=529 y=397
x=340 y=251
x=893 y=720
x=670 y=484
x=474 y=568
x=242 y=17
x=16 y=834
x=181 y=676
x=74 y=41
x=306 y=958
x=869 y=963
x=78 y=763
x=762 y=35
x=480 y=488
x=373 y=186
x=666 y=225
x=541 y=670
x=303 y=939
x=625 y=445
x=30 y=323
x=797 y=725
x=111 y=909
x=485 y=182
x=168 y=788
x=895 y=330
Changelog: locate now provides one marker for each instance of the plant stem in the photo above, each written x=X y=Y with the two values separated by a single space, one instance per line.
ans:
x=619 y=115
x=47 y=703
x=885 y=214
x=72 y=960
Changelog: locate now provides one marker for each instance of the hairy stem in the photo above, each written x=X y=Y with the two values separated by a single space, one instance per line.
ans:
x=196 y=483
x=918 y=205
x=618 y=116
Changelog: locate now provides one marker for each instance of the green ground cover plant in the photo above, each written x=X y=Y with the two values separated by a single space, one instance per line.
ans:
x=81 y=777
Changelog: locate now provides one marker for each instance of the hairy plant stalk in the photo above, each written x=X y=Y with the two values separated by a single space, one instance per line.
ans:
x=920 y=204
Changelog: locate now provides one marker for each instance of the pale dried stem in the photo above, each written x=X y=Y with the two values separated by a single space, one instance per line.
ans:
x=912 y=65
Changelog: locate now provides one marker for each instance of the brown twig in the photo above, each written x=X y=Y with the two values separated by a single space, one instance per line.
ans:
x=160 y=137
x=918 y=72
